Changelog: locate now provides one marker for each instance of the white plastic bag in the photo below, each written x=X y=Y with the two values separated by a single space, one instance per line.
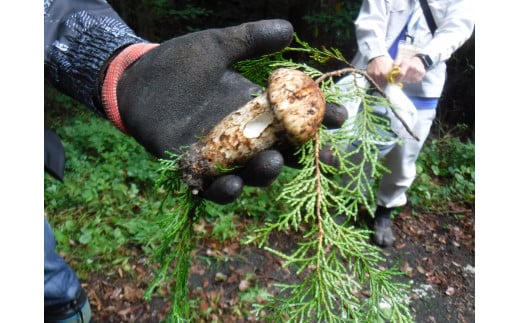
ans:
x=403 y=111
x=349 y=85
x=403 y=108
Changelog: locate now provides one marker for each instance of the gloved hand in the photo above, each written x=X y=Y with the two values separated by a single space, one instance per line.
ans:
x=176 y=92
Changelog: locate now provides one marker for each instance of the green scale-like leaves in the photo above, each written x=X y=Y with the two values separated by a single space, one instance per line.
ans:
x=341 y=273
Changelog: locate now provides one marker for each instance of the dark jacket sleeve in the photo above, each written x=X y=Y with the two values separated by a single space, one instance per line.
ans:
x=80 y=36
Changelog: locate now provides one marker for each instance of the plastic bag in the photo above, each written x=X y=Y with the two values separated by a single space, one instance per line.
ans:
x=403 y=108
x=349 y=85
x=403 y=111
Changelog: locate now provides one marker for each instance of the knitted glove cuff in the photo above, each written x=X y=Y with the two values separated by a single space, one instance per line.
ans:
x=113 y=74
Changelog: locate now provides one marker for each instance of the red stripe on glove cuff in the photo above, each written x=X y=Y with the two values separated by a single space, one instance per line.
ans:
x=113 y=75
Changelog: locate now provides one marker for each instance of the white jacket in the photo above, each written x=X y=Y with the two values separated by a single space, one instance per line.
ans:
x=380 y=21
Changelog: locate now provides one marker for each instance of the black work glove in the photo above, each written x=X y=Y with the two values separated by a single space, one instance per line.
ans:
x=177 y=91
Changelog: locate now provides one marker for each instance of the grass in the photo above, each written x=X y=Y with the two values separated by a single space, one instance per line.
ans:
x=445 y=174
x=108 y=199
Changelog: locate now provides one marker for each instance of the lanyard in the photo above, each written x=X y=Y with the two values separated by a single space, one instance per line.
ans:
x=412 y=22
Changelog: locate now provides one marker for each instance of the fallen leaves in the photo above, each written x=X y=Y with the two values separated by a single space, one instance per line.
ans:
x=438 y=250
x=227 y=278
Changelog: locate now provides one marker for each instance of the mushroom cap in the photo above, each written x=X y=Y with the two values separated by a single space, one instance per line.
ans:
x=297 y=102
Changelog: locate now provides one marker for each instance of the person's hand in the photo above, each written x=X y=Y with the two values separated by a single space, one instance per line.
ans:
x=411 y=70
x=378 y=69
x=176 y=92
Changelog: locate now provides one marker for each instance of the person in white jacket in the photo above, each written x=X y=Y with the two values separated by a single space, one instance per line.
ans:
x=384 y=29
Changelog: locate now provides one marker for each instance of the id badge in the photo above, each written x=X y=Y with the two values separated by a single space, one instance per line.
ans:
x=406 y=50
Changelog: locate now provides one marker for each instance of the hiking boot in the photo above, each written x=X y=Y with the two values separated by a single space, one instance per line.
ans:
x=76 y=311
x=383 y=235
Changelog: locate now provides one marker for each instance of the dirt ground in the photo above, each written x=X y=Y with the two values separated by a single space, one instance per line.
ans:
x=437 y=251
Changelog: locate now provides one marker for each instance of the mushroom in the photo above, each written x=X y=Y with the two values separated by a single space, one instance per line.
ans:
x=290 y=111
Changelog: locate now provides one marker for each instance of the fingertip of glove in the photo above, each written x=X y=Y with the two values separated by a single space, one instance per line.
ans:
x=328 y=157
x=263 y=169
x=291 y=158
x=271 y=35
x=224 y=189
x=335 y=116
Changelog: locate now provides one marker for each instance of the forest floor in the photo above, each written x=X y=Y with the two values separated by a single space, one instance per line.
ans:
x=436 y=251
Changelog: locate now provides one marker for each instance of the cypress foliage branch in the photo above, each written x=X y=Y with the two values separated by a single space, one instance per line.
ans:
x=341 y=275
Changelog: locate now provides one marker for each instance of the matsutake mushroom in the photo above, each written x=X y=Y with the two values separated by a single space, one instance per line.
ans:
x=290 y=111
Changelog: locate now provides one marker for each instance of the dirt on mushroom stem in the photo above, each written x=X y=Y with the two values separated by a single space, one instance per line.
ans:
x=289 y=112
